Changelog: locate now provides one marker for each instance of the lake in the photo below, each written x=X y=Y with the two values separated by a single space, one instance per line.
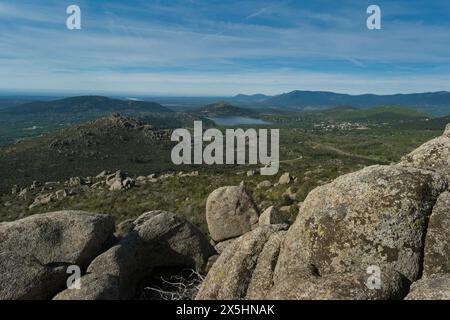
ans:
x=232 y=121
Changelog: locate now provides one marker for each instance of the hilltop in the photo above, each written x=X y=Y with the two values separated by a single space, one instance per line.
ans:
x=86 y=104
x=28 y=120
x=437 y=103
x=108 y=143
x=220 y=109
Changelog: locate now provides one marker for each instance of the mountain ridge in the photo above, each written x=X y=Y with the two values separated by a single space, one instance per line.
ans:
x=85 y=104
x=434 y=102
x=222 y=108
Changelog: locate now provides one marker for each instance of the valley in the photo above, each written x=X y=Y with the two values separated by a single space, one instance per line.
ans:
x=315 y=147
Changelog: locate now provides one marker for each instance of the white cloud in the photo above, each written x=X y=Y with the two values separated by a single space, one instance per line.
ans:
x=115 y=52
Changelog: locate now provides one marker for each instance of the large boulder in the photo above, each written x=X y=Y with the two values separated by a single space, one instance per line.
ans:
x=271 y=216
x=221 y=246
x=70 y=237
x=437 y=242
x=262 y=278
x=23 y=277
x=435 y=287
x=232 y=274
x=230 y=212
x=374 y=217
x=308 y=285
x=433 y=155
x=157 y=239
x=93 y=287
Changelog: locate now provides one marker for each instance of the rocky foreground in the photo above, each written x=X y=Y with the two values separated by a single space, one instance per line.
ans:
x=379 y=233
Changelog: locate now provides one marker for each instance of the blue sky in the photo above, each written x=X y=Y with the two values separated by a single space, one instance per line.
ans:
x=209 y=47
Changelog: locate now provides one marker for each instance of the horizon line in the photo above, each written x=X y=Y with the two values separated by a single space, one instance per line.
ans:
x=68 y=93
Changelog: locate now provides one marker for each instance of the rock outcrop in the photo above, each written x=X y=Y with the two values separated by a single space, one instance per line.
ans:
x=119 y=181
x=308 y=285
x=262 y=277
x=271 y=216
x=36 y=251
x=234 y=271
x=70 y=237
x=23 y=277
x=437 y=242
x=158 y=239
x=230 y=212
x=374 y=217
x=433 y=155
x=264 y=184
x=435 y=287
x=93 y=287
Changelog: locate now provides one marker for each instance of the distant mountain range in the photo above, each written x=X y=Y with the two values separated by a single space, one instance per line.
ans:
x=87 y=104
x=36 y=118
x=254 y=98
x=431 y=102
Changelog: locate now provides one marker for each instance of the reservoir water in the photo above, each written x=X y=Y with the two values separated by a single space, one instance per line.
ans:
x=232 y=121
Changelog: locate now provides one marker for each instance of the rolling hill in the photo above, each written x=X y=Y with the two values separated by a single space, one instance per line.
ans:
x=377 y=114
x=33 y=119
x=109 y=143
x=254 y=98
x=437 y=103
x=223 y=109
x=87 y=104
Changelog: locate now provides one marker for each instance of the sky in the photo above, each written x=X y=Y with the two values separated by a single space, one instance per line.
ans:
x=222 y=48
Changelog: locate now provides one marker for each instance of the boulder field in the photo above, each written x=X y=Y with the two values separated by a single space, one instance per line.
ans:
x=379 y=233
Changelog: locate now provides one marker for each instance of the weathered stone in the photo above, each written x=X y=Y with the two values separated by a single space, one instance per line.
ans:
x=61 y=194
x=251 y=173
x=116 y=185
x=306 y=285
x=42 y=199
x=262 y=277
x=434 y=287
x=127 y=183
x=376 y=216
x=117 y=176
x=221 y=246
x=23 y=277
x=76 y=181
x=125 y=227
x=231 y=274
x=210 y=263
x=271 y=216
x=23 y=192
x=264 y=184
x=286 y=178
x=433 y=155
x=437 y=241
x=71 y=237
x=158 y=239
x=102 y=174
x=93 y=287
x=285 y=208
x=230 y=212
